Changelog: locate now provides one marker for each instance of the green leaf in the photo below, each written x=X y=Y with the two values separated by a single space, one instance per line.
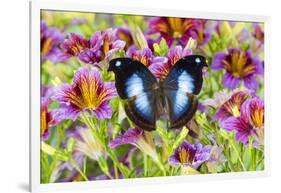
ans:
x=162 y=48
x=180 y=138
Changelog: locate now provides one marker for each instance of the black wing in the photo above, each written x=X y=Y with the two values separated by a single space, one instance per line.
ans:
x=183 y=82
x=135 y=83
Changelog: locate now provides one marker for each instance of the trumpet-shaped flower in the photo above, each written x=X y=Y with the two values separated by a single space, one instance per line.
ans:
x=74 y=45
x=179 y=29
x=190 y=155
x=101 y=46
x=50 y=40
x=49 y=118
x=162 y=68
x=258 y=32
x=88 y=145
x=250 y=123
x=124 y=35
x=138 y=138
x=88 y=93
x=232 y=106
x=146 y=57
x=239 y=66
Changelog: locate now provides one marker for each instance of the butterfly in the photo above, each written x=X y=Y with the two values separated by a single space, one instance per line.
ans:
x=146 y=99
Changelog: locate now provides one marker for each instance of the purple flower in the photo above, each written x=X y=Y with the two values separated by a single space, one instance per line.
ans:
x=250 y=123
x=239 y=66
x=179 y=29
x=232 y=106
x=88 y=93
x=111 y=44
x=138 y=138
x=145 y=56
x=73 y=46
x=49 y=118
x=101 y=46
x=258 y=32
x=162 y=68
x=190 y=155
x=125 y=35
x=50 y=40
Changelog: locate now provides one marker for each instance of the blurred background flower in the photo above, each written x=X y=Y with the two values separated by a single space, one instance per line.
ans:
x=51 y=38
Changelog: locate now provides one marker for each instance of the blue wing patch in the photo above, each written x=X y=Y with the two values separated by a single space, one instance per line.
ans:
x=178 y=103
x=143 y=106
x=134 y=85
x=185 y=82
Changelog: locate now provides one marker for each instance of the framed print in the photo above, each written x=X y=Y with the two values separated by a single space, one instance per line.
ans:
x=123 y=94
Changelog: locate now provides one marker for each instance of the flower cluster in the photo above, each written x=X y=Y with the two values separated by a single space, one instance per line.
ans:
x=85 y=133
x=101 y=46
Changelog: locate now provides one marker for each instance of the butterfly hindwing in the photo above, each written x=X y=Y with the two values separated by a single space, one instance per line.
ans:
x=141 y=110
x=182 y=107
x=135 y=83
x=183 y=82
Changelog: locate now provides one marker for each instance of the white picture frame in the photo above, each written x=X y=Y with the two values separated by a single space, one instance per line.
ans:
x=37 y=6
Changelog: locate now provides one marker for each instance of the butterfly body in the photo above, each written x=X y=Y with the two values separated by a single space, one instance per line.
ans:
x=147 y=98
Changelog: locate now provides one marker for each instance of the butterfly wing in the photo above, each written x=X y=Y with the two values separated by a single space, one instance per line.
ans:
x=136 y=84
x=181 y=86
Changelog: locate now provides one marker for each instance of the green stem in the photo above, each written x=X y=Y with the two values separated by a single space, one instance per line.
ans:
x=250 y=153
x=85 y=165
x=100 y=141
x=161 y=167
x=55 y=161
x=74 y=164
x=238 y=155
x=145 y=164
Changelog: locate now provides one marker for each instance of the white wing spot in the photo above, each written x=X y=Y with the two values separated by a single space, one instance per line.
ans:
x=197 y=60
x=118 y=63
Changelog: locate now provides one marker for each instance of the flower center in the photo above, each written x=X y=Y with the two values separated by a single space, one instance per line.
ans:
x=47 y=46
x=239 y=65
x=87 y=94
x=177 y=27
x=77 y=48
x=43 y=122
x=257 y=118
x=185 y=156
